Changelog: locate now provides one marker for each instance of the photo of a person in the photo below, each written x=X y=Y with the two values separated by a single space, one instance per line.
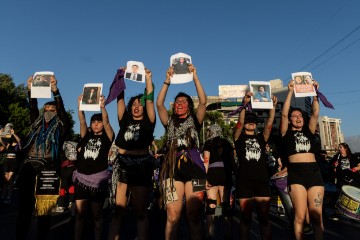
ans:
x=181 y=66
x=299 y=80
x=134 y=75
x=41 y=81
x=262 y=95
x=90 y=95
x=308 y=79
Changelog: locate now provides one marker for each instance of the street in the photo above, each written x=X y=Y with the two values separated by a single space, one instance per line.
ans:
x=63 y=226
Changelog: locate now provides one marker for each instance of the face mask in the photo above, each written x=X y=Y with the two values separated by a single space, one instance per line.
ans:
x=49 y=115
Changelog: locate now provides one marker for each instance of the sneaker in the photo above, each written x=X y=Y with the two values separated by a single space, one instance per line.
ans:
x=308 y=229
x=59 y=209
x=334 y=217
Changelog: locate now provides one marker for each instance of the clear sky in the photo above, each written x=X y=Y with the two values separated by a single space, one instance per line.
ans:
x=231 y=42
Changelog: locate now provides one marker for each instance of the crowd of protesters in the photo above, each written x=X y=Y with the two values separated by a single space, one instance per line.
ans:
x=182 y=177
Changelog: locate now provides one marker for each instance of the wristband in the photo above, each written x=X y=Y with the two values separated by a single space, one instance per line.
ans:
x=167 y=83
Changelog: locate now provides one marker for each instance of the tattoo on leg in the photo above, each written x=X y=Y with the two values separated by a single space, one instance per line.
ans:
x=318 y=200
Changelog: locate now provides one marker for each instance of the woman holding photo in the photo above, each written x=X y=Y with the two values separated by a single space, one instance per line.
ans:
x=182 y=163
x=306 y=187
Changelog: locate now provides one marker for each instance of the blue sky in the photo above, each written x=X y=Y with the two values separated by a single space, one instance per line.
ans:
x=231 y=42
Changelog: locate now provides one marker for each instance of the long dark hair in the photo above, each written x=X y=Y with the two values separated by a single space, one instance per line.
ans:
x=131 y=102
x=347 y=148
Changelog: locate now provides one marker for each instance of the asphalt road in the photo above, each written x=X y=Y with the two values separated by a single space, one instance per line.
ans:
x=63 y=226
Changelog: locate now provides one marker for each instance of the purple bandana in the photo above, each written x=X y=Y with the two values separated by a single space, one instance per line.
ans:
x=240 y=108
x=117 y=86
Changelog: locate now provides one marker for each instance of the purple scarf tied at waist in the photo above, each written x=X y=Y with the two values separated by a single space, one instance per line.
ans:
x=95 y=181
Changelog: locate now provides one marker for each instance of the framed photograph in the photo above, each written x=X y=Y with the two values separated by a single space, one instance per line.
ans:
x=180 y=63
x=303 y=84
x=135 y=71
x=91 y=97
x=41 y=85
x=261 y=98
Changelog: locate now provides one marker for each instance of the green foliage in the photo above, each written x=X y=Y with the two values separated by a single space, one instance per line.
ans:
x=14 y=107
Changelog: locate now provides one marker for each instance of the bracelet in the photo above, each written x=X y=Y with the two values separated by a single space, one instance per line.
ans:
x=57 y=95
x=167 y=83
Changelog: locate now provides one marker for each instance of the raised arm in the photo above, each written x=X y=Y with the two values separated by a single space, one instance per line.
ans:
x=82 y=120
x=285 y=110
x=163 y=114
x=201 y=109
x=150 y=96
x=63 y=115
x=315 y=111
x=270 y=120
x=34 y=111
x=105 y=119
x=241 y=119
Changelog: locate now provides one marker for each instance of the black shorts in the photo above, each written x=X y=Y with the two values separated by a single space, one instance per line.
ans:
x=305 y=174
x=247 y=188
x=186 y=171
x=135 y=170
x=86 y=193
x=10 y=164
x=217 y=176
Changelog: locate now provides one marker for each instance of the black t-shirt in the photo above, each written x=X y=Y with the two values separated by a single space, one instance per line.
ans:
x=299 y=141
x=250 y=150
x=134 y=134
x=220 y=150
x=344 y=163
x=93 y=155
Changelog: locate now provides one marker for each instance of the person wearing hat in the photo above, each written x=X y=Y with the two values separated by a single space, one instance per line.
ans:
x=252 y=180
x=12 y=146
x=91 y=175
x=42 y=151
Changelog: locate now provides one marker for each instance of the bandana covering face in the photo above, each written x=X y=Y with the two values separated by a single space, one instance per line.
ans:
x=48 y=115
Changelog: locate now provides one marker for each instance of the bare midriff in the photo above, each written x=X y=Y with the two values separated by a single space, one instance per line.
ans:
x=302 y=157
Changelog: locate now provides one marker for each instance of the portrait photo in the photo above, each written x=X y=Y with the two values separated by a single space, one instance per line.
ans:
x=180 y=64
x=303 y=84
x=91 y=97
x=41 y=85
x=135 y=71
x=261 y=98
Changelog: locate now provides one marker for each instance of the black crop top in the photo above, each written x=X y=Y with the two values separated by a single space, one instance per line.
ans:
x=134 y=134
x=299 y=141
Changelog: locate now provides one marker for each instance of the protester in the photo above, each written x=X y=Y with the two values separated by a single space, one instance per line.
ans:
x=91 y=175
x=183 y=162
x=306 y=186
x=42 y=152
x=12 y=147
x=252 y=180
x=218 y=158
x=66 y=196
x=135 y=163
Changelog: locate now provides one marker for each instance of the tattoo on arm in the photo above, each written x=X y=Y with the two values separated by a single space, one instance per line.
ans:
x=318 y=200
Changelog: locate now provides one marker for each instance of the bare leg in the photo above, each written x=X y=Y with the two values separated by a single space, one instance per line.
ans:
x=298 y=195
x=194 y=202
x=262 y=208
x=173 y=211
x=246 y=208
x=315 y=201
x=210 y=210
x=81 y=207
x=120 y=206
